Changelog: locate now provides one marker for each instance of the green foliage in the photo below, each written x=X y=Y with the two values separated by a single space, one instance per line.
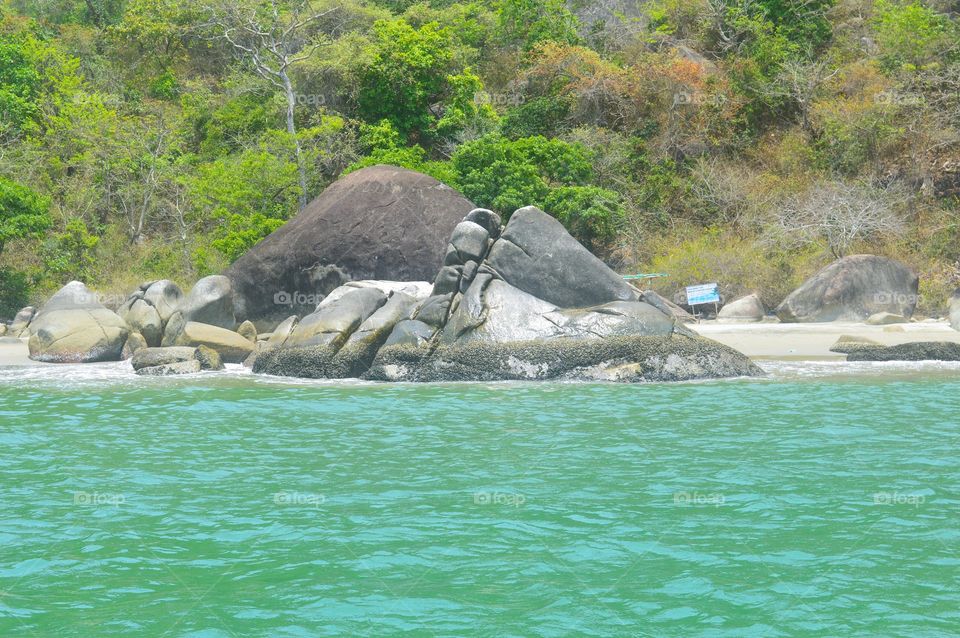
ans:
x=241 y=233
x=526 y=23
x=504 y=175
x=69 y=255
x=253 y=182
x=14 y=292
x=382 y=144
x=19 y=88
x=539 y=116
x=408 y=73
x=909 y=34
x=593 y=215
x=23 y=213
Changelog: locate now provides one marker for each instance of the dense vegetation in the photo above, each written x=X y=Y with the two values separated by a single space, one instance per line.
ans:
x=742 y=141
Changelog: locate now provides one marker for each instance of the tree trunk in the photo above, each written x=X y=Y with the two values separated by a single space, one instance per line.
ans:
x=292 y=130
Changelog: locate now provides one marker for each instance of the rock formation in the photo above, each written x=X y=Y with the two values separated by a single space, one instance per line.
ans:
x=380 y=222
x=521 y=302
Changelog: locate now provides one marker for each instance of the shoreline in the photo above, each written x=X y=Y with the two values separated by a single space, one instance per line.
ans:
x=762 y=342
x=812 y=341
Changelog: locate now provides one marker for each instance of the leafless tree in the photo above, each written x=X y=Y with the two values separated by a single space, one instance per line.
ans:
x=273 y=39
x=839 y=213
x=801 y=82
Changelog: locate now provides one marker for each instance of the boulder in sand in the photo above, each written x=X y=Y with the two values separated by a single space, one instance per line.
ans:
x=747 y=309
x=852 y=289
x=74 y=327
x=381 y=222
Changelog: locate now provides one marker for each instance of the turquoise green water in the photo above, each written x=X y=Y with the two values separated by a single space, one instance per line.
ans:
x=228 y=506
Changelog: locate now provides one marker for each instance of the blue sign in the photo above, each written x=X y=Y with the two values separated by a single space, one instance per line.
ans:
x=703 y=293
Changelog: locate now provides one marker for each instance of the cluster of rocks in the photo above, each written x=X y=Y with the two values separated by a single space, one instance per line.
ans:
x=525 y=301
x=74 y=326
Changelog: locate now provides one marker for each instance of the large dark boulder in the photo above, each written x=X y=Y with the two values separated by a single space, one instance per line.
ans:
x=853 y=289
x=537 y=255
x=380 y=222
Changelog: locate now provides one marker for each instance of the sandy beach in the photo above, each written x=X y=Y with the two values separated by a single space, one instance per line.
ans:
x=798 y=341
x=14 y=352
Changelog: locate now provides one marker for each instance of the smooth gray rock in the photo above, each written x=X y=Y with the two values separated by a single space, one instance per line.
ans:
x=416 y=289
x=232 y=347
x=143 y=318
x=209 y=302
x=667 y=307
x=282 y=332
x=852 y=289
x=500 y=313
x=433 y=310
x=538 y=256
x=447 y=281
x=487 y=219
x=333 y=323
x=165 y=296
x=747 y=309
x=362 y=346
x=74 y=327
x=470 y=241
x=411 y=332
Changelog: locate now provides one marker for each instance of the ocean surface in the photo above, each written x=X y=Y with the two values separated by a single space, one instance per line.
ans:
x=823 y=500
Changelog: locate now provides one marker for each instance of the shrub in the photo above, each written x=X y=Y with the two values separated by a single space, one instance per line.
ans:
x=14 y=292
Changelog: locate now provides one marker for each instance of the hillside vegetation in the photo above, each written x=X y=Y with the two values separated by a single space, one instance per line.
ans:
x=747 y=142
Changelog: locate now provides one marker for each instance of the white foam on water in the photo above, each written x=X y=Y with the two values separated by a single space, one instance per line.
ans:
x=807 y=369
